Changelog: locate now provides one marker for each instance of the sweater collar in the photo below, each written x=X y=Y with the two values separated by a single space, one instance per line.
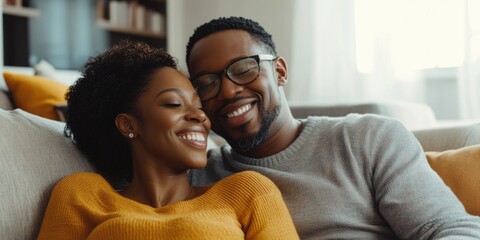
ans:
x=287 y=154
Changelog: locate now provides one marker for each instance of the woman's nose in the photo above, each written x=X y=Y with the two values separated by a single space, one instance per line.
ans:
x=196 y=115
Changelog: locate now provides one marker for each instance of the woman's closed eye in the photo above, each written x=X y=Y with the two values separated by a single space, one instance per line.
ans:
x=172 y=105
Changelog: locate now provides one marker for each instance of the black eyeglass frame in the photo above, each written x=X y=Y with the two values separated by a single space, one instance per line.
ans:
x=219 y=74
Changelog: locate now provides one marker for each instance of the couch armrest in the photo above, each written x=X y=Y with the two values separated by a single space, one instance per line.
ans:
x=447 y=138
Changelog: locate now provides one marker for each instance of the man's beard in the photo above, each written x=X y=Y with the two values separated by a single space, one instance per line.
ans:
x=252 y=142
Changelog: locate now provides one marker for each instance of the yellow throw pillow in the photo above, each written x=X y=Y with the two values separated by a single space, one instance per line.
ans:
x=35 y=94
x=460 y=170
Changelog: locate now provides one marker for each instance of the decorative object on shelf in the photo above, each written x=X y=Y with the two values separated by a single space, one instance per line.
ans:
x=17 y=3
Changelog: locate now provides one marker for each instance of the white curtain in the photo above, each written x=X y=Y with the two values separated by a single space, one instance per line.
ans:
x=469 y=74
x=323 y=66
x=360 y=50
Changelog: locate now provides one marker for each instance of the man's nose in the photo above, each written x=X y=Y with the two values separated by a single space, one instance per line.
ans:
x=228 y=89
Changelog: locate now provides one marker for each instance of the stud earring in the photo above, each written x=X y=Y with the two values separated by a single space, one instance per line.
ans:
x=130 y=135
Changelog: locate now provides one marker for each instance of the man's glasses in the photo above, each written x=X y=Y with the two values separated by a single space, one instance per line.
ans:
x=241 y=72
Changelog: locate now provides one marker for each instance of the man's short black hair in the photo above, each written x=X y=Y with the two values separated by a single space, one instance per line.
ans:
x=258 y=33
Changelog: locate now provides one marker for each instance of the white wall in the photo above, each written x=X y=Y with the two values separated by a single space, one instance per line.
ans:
x=186 y=15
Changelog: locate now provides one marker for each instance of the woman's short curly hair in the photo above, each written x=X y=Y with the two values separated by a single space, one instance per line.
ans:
x=259 y=35
x=110 y=84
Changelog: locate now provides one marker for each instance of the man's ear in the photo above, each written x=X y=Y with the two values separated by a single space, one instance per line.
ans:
x=126 y=124
x=282 y=72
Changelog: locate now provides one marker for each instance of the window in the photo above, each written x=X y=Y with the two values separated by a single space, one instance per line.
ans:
x=411 y=35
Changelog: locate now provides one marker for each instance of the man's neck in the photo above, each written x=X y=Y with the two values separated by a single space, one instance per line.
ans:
x=278 y=140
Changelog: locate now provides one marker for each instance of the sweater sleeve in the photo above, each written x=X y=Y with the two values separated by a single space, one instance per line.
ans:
x=270 y=219
x=267 y=216
x=411 y=196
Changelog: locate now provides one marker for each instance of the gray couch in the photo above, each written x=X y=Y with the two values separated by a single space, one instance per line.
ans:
x=35 y=155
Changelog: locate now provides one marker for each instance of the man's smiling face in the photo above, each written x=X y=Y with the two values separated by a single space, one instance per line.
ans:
x=242 y=114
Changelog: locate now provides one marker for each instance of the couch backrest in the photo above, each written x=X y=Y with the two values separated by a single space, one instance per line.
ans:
x=412 y=115
x=34 y=156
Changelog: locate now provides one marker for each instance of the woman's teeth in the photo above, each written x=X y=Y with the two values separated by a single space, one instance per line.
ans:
x=194 y=137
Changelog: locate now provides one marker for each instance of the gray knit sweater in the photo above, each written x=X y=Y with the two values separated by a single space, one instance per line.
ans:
x=355 y=177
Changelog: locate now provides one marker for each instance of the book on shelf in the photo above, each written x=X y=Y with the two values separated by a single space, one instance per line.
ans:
x=156 y=20
x=131 y=14
x=139 y=17
x=103 y=9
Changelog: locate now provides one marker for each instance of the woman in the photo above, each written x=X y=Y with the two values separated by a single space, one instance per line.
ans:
x=138 y=119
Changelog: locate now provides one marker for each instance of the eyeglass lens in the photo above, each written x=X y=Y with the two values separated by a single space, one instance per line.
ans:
x=240 y=72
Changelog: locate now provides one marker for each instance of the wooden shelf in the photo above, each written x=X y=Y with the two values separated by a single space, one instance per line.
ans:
x=128 y=30
x=20 y=11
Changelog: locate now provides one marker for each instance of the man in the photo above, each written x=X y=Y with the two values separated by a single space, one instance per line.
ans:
x=354 y=177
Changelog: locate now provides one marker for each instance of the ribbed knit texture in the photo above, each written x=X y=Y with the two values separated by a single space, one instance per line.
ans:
x=355 y=177
x=246 y=205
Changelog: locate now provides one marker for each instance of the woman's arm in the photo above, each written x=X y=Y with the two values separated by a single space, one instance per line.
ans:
x=269 y=218
x=263 y=214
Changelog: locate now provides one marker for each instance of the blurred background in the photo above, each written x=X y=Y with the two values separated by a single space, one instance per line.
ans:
x=338 y=51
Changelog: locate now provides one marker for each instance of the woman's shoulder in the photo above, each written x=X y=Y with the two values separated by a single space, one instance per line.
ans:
x=241 y=191
x=81 y=182
x=252 y=175
x=248 y=182
x=82 y=178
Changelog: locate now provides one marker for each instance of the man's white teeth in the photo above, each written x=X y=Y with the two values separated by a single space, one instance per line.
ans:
x=240 y=111
x=194 y=137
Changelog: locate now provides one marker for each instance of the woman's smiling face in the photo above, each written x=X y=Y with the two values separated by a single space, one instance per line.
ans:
x=171 y=124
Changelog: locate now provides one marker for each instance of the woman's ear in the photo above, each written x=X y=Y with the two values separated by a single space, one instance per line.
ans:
x=126 y=125
x=282 y=72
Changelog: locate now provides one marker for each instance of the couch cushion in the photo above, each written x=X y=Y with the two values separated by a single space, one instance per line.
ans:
x=34 y=94
x=460 y=169
x=34 y=156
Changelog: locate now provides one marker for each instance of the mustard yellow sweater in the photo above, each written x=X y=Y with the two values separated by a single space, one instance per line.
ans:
x=246 y=205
